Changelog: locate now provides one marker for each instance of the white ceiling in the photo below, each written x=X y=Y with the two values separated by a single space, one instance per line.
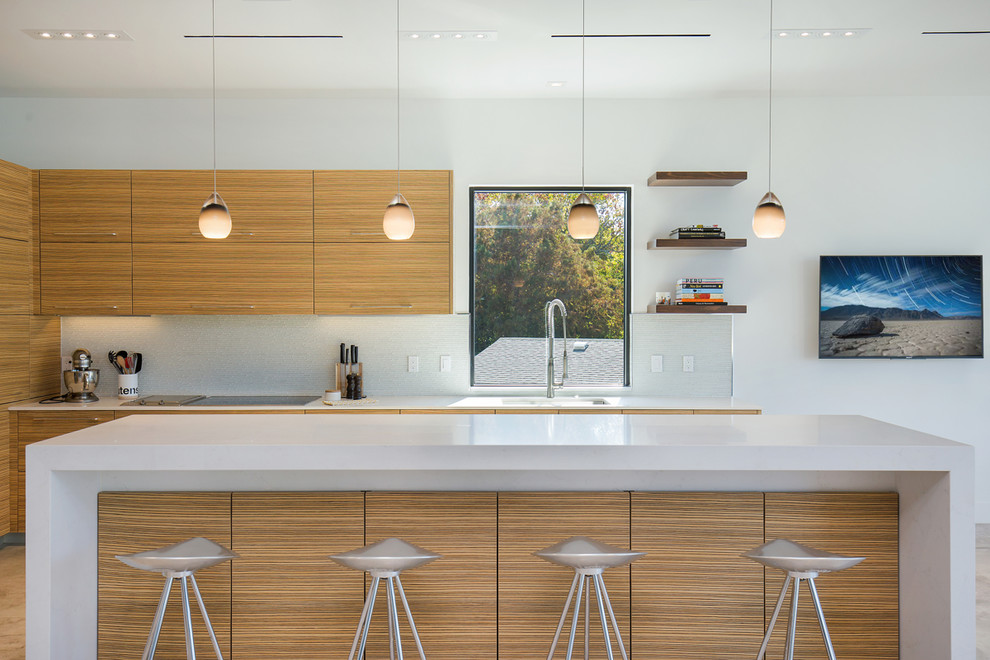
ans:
x=893 y=58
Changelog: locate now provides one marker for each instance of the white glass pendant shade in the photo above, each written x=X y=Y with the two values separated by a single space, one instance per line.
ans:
x=214 y=218
x=769 y=220
x=582 y=220
x=399 y=222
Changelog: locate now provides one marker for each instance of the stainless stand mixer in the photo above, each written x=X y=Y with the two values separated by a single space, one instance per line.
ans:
x=81 y=380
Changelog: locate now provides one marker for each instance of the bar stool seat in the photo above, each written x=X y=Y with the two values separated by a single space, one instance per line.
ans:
x=178 y=562
x=588 y=558
x=385 y=559
x=801 y=563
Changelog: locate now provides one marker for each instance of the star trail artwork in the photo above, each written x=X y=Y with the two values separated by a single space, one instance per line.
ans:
x=900 y=306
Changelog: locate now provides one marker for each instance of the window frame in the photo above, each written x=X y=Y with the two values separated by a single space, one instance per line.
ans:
x=627 y=280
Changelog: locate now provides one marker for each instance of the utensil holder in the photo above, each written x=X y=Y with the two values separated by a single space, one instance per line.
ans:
x=127 y=386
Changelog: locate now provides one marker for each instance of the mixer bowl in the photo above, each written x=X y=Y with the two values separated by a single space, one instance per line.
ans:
x=81 y=384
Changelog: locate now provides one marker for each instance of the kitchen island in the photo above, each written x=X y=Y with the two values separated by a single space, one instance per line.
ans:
x=933 y=477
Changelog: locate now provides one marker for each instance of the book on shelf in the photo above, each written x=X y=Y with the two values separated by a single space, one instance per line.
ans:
x=706 y=233
x=700 y=289
x=701 y=302
x=699 y=296
x=700 y=280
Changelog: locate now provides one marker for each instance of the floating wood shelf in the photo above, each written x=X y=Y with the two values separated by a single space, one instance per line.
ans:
x=696 y=244
x=697 y=309
x=696 y=178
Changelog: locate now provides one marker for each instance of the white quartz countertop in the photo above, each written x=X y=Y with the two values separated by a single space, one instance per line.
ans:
x=476 y=401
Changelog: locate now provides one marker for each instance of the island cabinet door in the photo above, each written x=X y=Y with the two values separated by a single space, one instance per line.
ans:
x=92 y=206
x=390 y=278
x=34 y=427
x=223 y=277
x=860 y=603
x=693 y=596
x=128 y=597
x=349 y=204
x=453 y=599
x=289 y=599
x=268 y=206
x=532 y=591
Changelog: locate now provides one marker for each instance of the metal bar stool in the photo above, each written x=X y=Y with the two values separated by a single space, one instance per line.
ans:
x=178 y=562
x=801 y=563
x=385 y=559
x=588 y=558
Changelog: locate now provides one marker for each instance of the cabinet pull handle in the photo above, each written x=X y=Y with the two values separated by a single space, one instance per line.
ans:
x=82 y=310
x=219 y=306
x=381 y=305
x=84 y=233
x=367 y=233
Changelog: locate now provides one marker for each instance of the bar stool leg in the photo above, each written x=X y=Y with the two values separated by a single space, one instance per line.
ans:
x=394 y=613
x=409 y=617
x=792 y=620
x=574 y=619
x=587 y=616
x=206 y=618
x=821 y=619
x=156 y=625
x=601 y=615
x=362 y=631
x=187 y=619
x=563 y=615
x=773 y=619
x=611 y=615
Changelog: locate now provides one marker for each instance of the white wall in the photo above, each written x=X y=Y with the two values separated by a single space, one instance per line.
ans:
x=856 y=175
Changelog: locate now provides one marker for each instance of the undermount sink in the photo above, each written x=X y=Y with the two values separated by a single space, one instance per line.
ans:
x=535 y=402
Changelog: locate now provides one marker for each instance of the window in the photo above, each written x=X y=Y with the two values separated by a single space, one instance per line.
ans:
x=522 y=257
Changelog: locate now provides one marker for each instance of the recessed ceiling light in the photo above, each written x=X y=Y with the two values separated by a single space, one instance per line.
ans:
x=112 y=35
x=848 y=34
x=67 y=35
x=556 y=83
x=805 y=34
x=821 y=33
x=826 y=34
x=414 y=35
x=479 y=35
x=89 y=35
x=782 y=34
x=436 y=35
x=451 y=35
x=45 y=35
x=458 y=36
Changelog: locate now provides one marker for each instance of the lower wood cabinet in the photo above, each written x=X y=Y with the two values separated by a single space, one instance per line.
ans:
x=31 y=427
x=223 y=277
x=382 y=278
x=691 y=596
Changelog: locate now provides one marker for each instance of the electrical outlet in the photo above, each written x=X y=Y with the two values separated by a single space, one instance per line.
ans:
x=688 y=363
x=66 y=362
x=413 y=363
x=444 y=363
x=656 y=364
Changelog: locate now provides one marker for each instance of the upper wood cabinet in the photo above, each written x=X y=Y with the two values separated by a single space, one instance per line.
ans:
x=398 y=277
x=223 y=277
x=70 y=287
x=265 y=205
x=348 y=204
x=91 y=206
x=15 y=274
x=15 y=201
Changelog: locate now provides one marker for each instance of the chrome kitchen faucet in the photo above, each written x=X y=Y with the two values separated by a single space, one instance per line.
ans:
x=551 y=384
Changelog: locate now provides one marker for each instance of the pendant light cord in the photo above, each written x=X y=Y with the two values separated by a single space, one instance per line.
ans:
x=398 y=135
x=770 y=109
x=213 y=44
x=582 y=94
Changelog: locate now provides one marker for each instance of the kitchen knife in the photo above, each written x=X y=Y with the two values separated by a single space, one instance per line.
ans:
x=342 y=353
x=354 y=359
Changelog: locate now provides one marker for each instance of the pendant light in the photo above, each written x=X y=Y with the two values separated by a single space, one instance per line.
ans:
x=214 y=218
x=398 y=222
x=768 y=219
x=582 y=220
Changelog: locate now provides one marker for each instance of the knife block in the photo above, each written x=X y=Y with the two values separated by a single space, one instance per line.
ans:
x=343 y=369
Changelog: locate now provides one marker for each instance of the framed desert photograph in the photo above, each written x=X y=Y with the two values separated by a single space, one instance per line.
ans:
x=900 y=307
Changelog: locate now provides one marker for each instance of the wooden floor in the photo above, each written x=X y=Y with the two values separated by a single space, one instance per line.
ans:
x=12 y=598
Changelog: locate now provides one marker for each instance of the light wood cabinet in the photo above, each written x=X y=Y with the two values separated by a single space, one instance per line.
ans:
x=85 y=279
x=265 y=205
x=44 y=361
x=349 y=204
x=34 y=427
x=15 y=274
x=90 y=206
x=134 y=522
x=15 y=201
x=14 y=341
x=223 y=277
x=389 y=278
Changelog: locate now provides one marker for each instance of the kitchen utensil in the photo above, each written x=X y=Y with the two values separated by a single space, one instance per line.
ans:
x=137 y=364
x=112 y=357
x=121 y=363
